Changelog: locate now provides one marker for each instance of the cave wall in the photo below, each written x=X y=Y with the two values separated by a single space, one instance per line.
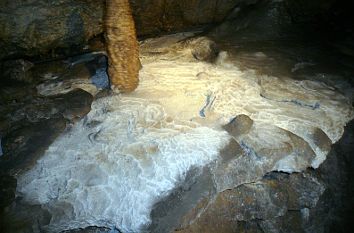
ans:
x=37 y=27
x=32 y=27
x=156 y=16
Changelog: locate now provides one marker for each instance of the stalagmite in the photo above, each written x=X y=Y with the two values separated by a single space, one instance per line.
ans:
x=122 y=46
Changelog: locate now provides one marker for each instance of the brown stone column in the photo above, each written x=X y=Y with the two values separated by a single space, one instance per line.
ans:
x=122 y=46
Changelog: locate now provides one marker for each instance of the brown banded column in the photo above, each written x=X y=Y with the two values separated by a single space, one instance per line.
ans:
x=122 y=46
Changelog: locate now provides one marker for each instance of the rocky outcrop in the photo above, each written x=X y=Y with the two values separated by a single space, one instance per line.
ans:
x=256 y=207
x=39 y=26
x=314 y=201
x=58 y=26
x=156 y=16
x=33 y=115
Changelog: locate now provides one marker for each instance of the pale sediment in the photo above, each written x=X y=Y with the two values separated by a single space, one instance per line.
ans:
x=133 y=150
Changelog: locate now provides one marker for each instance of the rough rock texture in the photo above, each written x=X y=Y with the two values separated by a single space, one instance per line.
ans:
x=72 y=23
x=241 y=124
x=17 y=70
x=87 y=72
x=155 y=16
x=204 y=49
x=30 y=120
x=122 y=46
x=38 y=26
x=34 y=125
x=183 y=112
x=277 y=202
x=314 y=201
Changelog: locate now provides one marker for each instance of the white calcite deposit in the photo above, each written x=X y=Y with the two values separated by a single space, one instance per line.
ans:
x=132 y=150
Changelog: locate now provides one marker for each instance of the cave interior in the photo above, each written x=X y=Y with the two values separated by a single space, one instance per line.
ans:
x=181 y=116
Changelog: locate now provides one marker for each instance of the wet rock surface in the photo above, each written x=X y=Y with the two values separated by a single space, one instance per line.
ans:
x=204 y=49
x=36 y=124
x=302 y=202
x=241 y=124
x=240 y=192
x=313 y=201
x=31 y=121
x=280 y=119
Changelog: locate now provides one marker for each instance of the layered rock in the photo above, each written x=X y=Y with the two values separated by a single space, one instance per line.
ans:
x=312 y=201
x=259 y=206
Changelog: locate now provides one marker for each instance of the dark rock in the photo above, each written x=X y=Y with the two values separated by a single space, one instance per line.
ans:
x=55 y=24
x=17 y=70
x=291 y=222
x=231 y=151
x=321 y=140
x=204 y=49
x=335 y=209
x=13 y=95
x=1 y=153
x=65 y=27
x=241 y=124
x=30 y=123
x=74 y=105
x=7 y=190
x=271 y=201
x=22 y=217
x=304 y=190
x=52 y=70
x=33 y=126
x=22 y=147
x=252 y=201
x=167 y=212
x=156 y=16
x=315 y=201
x=233 y=210
x=86 y=71
x=302 y=11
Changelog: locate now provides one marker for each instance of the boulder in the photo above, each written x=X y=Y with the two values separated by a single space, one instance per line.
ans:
x=39 y=26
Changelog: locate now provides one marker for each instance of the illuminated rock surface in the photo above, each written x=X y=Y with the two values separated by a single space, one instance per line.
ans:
x=133 y=150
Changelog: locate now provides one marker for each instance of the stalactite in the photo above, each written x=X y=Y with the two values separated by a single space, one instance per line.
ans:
x=122 y=46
